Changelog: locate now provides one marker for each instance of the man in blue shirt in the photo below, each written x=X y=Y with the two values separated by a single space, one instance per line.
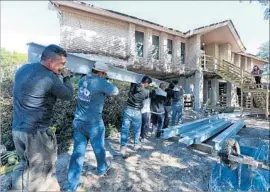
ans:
x=88 y=123
x=36 y=88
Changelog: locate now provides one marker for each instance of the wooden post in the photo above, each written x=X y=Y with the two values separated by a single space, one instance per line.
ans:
x=242 y=93
x=252 y=104
x=267 y=104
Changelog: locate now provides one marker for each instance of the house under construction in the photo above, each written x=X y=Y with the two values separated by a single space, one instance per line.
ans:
x=212 y=59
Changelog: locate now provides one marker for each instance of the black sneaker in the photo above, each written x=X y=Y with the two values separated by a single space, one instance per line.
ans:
x=158 y=134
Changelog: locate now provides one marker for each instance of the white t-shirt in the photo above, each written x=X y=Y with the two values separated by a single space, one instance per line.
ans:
x=146 y=106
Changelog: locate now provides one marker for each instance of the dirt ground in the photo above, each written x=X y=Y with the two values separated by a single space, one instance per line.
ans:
x=162 y=165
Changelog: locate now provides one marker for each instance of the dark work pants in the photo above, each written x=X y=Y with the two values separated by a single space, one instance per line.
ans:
x=145 y=124
x=258 y=81
x=38 y=154
x=168 y=114
x=158 y=121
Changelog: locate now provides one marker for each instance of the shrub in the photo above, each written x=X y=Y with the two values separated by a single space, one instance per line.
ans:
x=64 y=115
x=6 y=121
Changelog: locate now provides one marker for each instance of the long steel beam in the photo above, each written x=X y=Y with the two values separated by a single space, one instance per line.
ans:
x=205 y=134
x=232 y=130
x=194 y=132
x=80 y=64
x=212 y=131
x=185 y=127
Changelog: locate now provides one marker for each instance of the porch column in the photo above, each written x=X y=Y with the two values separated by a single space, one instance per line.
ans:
x=232 y=59
x=216 y=51
x=147 y=43
x=177 y=50
x=251 y=63
x=163 y=49
x=214 y=91
x=231 y=95
x=198 y=90
x=243 y=62
x=237 y=60
x=131 y=43
x=205 y=90
x=225 y=52
x=193 y=47
x=188 y=82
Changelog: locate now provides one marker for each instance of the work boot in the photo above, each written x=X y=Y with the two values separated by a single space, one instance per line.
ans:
x=123 y=151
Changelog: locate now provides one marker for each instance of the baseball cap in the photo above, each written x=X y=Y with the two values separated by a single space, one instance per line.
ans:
x=101 y=66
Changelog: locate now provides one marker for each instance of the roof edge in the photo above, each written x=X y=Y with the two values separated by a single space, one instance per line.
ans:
x=114 y=14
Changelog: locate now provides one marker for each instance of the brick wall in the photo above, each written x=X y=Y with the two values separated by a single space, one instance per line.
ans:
x=96 y=35
x=91 y=35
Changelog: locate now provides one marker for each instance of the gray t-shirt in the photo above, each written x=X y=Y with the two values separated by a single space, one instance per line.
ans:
x=35 y=91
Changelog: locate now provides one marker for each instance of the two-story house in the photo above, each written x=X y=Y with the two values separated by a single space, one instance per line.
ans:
x=148 y=48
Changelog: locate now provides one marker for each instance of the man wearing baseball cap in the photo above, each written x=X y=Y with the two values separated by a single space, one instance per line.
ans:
x=88 y=123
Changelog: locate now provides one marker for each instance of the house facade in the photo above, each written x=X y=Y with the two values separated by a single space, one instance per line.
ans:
x=148 y=48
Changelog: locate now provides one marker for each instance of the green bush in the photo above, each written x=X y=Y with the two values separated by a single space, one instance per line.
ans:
x=6 y=121
x=64 y=115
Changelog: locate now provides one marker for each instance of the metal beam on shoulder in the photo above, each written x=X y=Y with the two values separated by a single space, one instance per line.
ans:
x=80 y=64
x=232 y=130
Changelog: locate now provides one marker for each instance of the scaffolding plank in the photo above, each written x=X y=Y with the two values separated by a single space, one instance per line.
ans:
x=185 y=127
x=232 y=130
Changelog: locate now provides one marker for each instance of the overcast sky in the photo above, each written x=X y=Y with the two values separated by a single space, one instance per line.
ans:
x=32 y=21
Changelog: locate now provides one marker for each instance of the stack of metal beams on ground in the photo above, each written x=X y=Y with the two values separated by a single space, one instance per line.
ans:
x=210 y=135
x=216 y=129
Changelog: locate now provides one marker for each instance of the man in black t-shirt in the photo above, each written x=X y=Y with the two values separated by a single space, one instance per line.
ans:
x=168 y=105
x=132 y=113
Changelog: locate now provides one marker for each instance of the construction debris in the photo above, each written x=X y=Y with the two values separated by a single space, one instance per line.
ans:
x=251 y=173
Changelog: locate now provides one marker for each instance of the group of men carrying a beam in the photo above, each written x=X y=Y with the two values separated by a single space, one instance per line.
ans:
x=36 y=88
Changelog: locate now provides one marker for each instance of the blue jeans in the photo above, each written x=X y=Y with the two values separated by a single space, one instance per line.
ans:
x=158 y=121
x=131 y=116
x=176 y=112
x=84 y=131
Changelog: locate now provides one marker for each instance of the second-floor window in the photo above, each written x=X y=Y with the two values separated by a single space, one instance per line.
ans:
x=155 y=45
x=183 y=53
x=169 y=49
x=139 y=39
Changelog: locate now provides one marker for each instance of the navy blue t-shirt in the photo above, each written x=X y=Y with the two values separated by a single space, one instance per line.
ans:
x=35 y=91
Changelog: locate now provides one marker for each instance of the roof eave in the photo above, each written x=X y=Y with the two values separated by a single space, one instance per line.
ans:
x=253 y=57
x=105 y=13
x=221 y=24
